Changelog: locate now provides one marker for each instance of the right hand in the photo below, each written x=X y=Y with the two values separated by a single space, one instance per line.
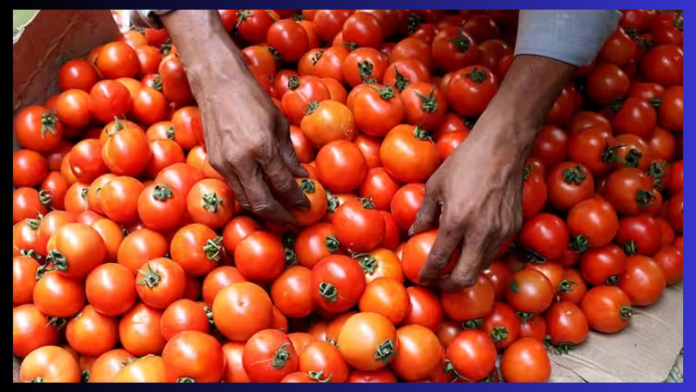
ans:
x=248 y=143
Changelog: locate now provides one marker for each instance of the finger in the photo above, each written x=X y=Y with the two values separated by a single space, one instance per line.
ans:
x=470 y=263
x=427 y=213
x=446 y=242
x=261 y=201
x=284 y=183
x=227 y=172
x=287 y=151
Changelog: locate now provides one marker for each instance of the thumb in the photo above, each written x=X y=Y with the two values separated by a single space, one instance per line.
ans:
x=427 y=213
x=466 y=272
x=287 y=151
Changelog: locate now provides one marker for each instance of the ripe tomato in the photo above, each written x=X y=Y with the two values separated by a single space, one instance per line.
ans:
x=316 y=242
x=643 y=281
x=619 y=49
x=330 y=22
x=573 y=287
x=110 y=289
x=337 y=282
x=322 y=63
x=607 y=308
x=370 y=149
x=91 y=333
x=241 y=310
x=364 y=65
x=77 y=74
x=31 y=329
x=408 y=154
x=378 y=109
x=533 y=326
x=57 y=295
x=584 y=119
x=337 y=91
x=380 y=263
x=260 y=257
x=447 y=331
x=529 y=291
x=471 y=304
x=639 y=234
x=606 y=83
x=416 y=251
x=386 y=297
x=139 y=330
x=379 y=187
x=502 y=325
x=671 y=112
x=24 y=270
x=146 y=369
x=631 y=151
x=165 y=153
x=108 y=365
x=193 y=356
x=472 y=355
x=317 y=197
x=499 y=274
x=119 y=199
x=161 y=208
x=160 y=282
x=534 y=192
x=471 y=89
x=551 y=145
x=326 y=122
x=419 y=353
x=362 y=29
x=603 y=265
x=453 y=49
x=341 y=166
x=526 y=361
x=545 y=237
x=53 y=190
x=406 y=71
x=38 y=129
x=449 y=142
x=592 y=223
x=304 y=92
x=323 y=362
x=630 y=191
x=234 y=371
x=72 y=108
x=368 y=341
x=109 y=99
x=175 y=85
x=635 y=116
x=50 y=364
x=425 y=309
x=291 y=292
x=269 y=356
x=594 y=147
x=149 y=106
x=29 y=168
x=567 y=325
x=288 y=38
x=664 y=64
x=568 y=184
x=662 y=145
x=236 y=230
x=210 y=202
x=218 y=279
x=118 y=60
x=553 y=272
x=140 y=247
x=127 y=152
x=672 y=262
x=75 y=249
x=76 y=199
x=359 y=227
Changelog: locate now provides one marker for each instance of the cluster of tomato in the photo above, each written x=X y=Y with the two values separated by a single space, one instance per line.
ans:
x=133 y=262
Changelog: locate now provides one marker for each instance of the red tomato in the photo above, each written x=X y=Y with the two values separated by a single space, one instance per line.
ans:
x=140 y=247
x=545 y=236
x=359 y=227
x=529 y=291
x=425 y=105
x=502 y=325
x=328 y=121
x=210 y=202
x=341 y=166
x=53 y=190
x=241 y=310
x=364 y=65
x=526 y=361
x=29 y=168
x=449 y=142
x=72 y=108
x=337 y=283
x=408 y=154
x=378 y=109
x=671 y=112
x=323 y=362
x=639 y=234
x=49 y=364
x=387 y=297
x=146 y=369
x=260 y=257
x=416 y=252
x=635 y=116
x=533 y=327
x=27 y=203
x=534 y=192
x=453 y=49
x=269 y=356
x=406 y=71
x=643 y=281
x=425 y=309
x=592 y=223
x=288 y=38
x=551 y=146
x=118 y=60
x=607 y=308
x=109 y=99
x=38 y=129
x=108 y=365
x=175 y=85
x=368 y=341
x=91 y=333
x=419 y=353
x=24 y=270
x=630 y=191
x=572 y=287
x=362 y=29
x=31 y=329
x=110 y=289
x=379 y=187
x=568 y=184
x=160 y=282
x=567 y=325
x=303 y=91
x=234 y=371
x=57 y=295
x=193 y=356
x=75 y=250
x=291 y=293
x=471 y=89
x=672 y=262
x=603 y=265
x=161 y=208
x=606 y=83
x=664 y=64
x=77 y=74
x=472 y=355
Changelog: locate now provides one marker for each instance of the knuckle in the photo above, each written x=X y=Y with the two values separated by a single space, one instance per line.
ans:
x=260 y=207
x=464 y=281
x=438 y=258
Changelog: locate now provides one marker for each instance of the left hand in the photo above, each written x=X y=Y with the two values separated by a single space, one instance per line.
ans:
x=477 y=196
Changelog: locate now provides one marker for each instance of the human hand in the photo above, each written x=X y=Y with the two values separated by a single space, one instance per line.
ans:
x=477 y=197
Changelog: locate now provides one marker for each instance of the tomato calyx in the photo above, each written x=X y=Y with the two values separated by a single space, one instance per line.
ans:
x=171 y=133
x=48 y=123
x=118 y=126
x=59 y=261
x=656 y=170
x=57 y=323
x=30 y=253
x=185 y=380
x=367 y=203
x=124 y=232
x=212 y=248
x=162 y=192
x=527 y=172
x=472 y=324
x=211 y=202
x=42 y=270
x=367 y=262
x=477 y=75
x=534 y=257
x=293 y=82
x=316 y=56
x=84 y=376
x=385 y=351
x=450 y=370
x=332 y=244
x=514 y=287
x=333 y=202
x=319 y=376
x=612 y=280
x=630 y=248
x=209 y=315
x=297 y=17
x=84 y=192
x=242 y=15
x=311 y=107
x=401 y=82
x=655 y=102
x=562 y=348
x=150 y=278
x=275 y=53
x=34 y=223
x=281 y=356
x=525 y=316
x=166 y=47
x=579 y=243
x=462 y=42
x=626 y=312
x=422 y=134
x=574 y=175
x=328 y=291
x=633 y=158
x=566 y=286
x=414 y=22
x=365 y=68
x=469 y=122
x=645 y=198
x=37 y=380
x=608 y=155
x=429 y=103
x=350 y=45
x=499 y=333
x=290 y=257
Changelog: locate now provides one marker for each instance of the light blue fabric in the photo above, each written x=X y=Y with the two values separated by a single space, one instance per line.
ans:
x=573 y=37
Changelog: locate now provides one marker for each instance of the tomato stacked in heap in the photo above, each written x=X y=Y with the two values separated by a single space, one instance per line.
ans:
x=125 y=237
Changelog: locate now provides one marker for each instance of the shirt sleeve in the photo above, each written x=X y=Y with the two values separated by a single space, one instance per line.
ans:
x=570 y=36
x=147 y=18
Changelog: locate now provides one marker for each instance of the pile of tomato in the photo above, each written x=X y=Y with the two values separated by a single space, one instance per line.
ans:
x=133 y=261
